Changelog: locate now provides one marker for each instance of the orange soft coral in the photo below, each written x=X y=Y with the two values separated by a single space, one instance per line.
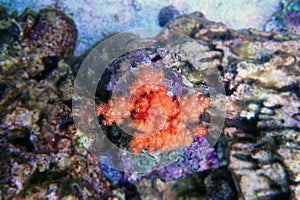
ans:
x=160 y=122
x=156 y=115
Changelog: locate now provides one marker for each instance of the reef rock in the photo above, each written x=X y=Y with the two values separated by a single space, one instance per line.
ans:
x=38 y=39
x=38 y=146
x=256 y=157
x=260 y=73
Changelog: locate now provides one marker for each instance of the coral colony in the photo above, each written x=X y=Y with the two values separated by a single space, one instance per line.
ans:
x=161 y=121
x=161 y=116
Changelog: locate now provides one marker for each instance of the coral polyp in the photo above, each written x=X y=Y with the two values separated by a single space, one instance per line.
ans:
x=160 y=121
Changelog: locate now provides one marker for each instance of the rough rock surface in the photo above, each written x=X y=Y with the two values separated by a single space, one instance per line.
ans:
x=260 y=72
x=39 y=153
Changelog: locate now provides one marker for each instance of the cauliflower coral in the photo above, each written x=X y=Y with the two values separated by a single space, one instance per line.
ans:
x=160 y=121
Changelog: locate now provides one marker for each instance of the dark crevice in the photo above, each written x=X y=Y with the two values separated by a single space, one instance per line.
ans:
x=66 y=123
x=247 y=126
x=156 y=58
x=50 y=63
x=68 y=103
x=3 y=90
x=291 y=88
x=21 y=137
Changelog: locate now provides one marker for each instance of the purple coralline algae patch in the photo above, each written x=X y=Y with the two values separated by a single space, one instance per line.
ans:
x=198 y=157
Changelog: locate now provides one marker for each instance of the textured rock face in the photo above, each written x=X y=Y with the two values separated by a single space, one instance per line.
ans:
x=38 y=139
x=53 y=33
x=261 y=76
x=38 y=39
x=213 y=184
x=36 y=126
